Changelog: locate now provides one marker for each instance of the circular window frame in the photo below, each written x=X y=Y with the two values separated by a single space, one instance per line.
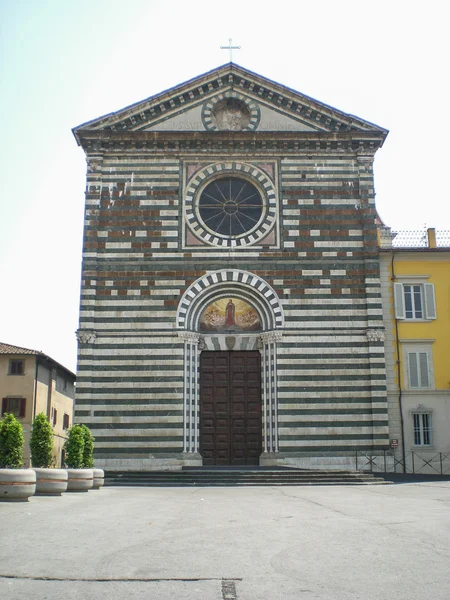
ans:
x=237 y=170
x=208 y=109
x=241 y=177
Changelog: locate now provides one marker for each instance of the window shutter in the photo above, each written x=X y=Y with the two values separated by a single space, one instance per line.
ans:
x=430 y=301
x=423 y=369
x=413 y=370
x=22 y=407
x=399 y=301
x=4 y=405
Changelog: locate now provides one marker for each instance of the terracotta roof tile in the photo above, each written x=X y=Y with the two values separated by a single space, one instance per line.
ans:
x=9 y=349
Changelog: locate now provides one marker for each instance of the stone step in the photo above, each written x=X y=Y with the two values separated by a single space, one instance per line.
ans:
x=239 y=477
x=242 y=484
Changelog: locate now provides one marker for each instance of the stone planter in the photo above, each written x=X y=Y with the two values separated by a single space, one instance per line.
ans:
x=80 y=480
x=99 y=478
x=17 y=485
x=50 y=482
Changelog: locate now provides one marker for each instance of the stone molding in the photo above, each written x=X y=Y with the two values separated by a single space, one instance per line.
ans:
x=190 y=337
x=87 y=336
x=375 y=335
x=226 y=143
x=270 y=337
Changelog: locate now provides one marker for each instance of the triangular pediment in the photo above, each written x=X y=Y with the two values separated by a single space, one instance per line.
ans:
x=230 y=98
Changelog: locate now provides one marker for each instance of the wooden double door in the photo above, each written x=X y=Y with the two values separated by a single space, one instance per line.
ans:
x=230 y=408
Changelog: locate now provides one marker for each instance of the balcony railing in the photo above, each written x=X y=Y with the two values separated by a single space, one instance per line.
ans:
x=392 y=461
x=419 y=238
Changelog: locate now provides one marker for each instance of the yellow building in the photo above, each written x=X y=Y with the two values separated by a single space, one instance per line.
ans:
x=30 y=383
x=415 y=281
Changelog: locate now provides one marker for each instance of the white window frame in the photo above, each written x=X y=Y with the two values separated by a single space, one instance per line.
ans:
x=418 y=371
x=427 y=298
x=422 y=425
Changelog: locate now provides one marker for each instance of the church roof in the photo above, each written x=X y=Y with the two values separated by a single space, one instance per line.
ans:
x=160 y=111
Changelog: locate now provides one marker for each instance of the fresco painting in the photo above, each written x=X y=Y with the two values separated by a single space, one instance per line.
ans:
x=230 y=314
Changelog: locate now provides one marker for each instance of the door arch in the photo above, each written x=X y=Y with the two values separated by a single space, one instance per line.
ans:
x=257 y=292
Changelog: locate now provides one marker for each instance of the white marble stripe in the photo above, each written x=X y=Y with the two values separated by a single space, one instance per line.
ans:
x=131 y=374
x=350 y=444
x=331 y=417
x=143 y=445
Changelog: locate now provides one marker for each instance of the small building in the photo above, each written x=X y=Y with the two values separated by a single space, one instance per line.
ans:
x=415 y=283
x=31 y=383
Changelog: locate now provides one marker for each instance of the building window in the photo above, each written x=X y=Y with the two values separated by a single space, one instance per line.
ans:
x=422 y=429
x=15 y=406
x=54 y=416
x=66 y=423
x=16 y=367
x=414 y=301
x=418 y=370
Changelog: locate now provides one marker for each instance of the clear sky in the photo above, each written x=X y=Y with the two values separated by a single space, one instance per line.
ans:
x=64 y=62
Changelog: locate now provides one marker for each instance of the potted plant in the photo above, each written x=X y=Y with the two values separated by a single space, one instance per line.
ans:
x=49 y=481
x=88 y=458
x=80 y=479
x=16 y=484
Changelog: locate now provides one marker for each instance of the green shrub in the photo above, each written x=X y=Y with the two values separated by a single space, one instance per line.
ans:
x=74 y=447
x=41 y=442
x=88 y=451
x=79 y=448
x=11 y=443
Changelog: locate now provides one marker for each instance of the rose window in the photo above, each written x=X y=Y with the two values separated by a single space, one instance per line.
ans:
x=230 y=207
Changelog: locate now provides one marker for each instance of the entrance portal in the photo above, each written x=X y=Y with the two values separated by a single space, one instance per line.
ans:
x=230 y=408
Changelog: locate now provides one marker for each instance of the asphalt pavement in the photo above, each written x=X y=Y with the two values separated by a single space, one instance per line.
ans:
x=263 y=543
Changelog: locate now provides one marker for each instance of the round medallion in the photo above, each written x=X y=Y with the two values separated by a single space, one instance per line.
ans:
x=230 y=206
x=230 y=111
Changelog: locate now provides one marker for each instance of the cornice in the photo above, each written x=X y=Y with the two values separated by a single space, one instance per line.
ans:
x=273 y=143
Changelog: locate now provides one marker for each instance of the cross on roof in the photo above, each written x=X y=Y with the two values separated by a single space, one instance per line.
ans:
x=230 y=47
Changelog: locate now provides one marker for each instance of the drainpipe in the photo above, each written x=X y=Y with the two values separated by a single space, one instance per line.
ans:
x=399 y=372
x=49 y=389
x=36 y=372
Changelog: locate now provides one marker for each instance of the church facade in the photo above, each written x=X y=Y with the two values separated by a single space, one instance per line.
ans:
x=230 y=303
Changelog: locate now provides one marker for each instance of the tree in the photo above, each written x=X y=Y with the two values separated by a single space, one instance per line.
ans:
x=88 y=451
x=74 y=447
x=79 y=448
x=11 y=443
x=41 y=442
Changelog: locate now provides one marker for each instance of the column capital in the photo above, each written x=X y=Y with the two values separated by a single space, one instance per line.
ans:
x=190 y=337
x=269 y=337
x=375 y=335
x=87 y=336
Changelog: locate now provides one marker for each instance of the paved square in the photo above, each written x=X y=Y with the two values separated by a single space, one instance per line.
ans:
x=327 y=543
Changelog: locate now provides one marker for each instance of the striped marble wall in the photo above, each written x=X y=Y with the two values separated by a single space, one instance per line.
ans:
x=324 y=268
